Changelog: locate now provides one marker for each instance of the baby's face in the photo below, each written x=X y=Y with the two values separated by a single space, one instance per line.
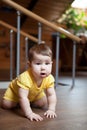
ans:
x=41 y=66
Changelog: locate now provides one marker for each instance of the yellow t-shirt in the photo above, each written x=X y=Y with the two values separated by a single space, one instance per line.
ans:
x=26 y=81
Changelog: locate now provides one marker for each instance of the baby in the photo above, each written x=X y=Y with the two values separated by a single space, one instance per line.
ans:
x=35 y=86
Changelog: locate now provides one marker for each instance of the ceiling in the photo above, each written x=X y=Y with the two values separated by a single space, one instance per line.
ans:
x=51 y=10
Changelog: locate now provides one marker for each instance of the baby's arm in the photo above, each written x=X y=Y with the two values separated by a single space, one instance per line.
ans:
x=25 y=105
x=52 y=100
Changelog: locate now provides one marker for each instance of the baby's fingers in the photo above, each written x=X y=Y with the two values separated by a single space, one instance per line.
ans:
x=35 y=117
x=50 y=114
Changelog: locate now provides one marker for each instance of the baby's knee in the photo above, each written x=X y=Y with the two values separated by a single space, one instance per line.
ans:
x=42 y=103
x=7 y=104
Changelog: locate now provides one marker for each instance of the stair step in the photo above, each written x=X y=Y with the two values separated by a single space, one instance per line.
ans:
x=4 y=84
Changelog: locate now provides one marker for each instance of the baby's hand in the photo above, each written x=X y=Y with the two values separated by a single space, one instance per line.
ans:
x=33 y=116
x=50 y=114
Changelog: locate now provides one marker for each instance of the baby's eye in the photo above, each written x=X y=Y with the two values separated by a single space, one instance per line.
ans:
x=38 y=63
x=47 y=63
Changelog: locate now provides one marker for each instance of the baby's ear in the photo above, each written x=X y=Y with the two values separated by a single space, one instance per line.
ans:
x=28 y=62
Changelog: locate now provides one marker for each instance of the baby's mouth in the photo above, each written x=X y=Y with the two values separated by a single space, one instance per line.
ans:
x=43 y=74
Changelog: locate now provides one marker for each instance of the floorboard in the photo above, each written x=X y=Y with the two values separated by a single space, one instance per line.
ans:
x=71 y=109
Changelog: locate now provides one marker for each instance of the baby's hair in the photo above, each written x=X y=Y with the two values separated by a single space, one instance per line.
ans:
x=42 y=49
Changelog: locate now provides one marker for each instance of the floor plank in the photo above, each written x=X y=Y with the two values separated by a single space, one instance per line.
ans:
x=71 y=109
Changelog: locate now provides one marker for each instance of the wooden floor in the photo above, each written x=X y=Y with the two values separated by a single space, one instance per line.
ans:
x=71 y=109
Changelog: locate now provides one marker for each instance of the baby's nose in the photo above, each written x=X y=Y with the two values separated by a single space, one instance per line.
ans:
x=43 y=66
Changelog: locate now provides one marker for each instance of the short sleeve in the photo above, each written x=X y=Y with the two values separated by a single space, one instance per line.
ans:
x=23 y=81
x=49 y=81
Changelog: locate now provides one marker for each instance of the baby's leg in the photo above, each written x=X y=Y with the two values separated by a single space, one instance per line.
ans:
x=10 y=99
x=6 y=104
x=40 y=103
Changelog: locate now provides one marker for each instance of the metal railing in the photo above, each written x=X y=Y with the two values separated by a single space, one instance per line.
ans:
x=57 y=29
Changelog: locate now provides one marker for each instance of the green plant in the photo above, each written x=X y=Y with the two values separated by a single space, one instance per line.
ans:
x=74 y=19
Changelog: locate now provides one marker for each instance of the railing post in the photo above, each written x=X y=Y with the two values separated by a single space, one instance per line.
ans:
x=39 y=32
x=74 y=63
x=11 y=54
x=18 y=43
x=57 y=58
x=26 y=51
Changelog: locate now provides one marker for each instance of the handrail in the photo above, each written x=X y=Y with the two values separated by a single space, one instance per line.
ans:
x=42 y=20
x=21 y=32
